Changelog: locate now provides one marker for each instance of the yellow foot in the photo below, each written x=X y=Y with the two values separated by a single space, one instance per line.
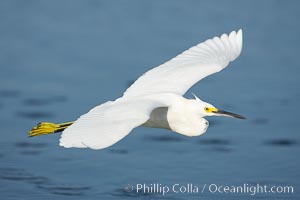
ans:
x=45 y=128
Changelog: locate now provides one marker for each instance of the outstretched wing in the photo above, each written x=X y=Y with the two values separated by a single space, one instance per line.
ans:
x=182 y=72
x=108 y=123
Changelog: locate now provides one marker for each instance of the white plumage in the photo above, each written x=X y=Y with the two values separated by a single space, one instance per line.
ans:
x=182 y=72
x=155 y=99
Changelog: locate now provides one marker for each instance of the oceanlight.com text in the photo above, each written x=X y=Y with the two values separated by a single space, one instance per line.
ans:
x=191 y=188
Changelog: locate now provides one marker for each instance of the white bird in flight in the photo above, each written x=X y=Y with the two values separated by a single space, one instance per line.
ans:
x=154 y=99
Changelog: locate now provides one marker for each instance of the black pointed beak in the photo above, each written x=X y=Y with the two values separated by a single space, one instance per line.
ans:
x=230 y=114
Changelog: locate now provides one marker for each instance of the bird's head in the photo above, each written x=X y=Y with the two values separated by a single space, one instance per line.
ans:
x=207 y=109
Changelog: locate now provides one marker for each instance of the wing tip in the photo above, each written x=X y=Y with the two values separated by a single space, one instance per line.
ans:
x=236 y=39
x=239 y=38
x=240 y=31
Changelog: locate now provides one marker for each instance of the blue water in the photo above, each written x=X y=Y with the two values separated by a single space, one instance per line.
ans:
x=58 y=59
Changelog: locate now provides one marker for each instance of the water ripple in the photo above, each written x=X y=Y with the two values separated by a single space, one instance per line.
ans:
x=64 y=189
x=41 y=182
x=118 y=151
x=35 y=114
x=164 y=138
x=31 y=145
x=214 y=141
x=21 y=175
x=281 y=142
x=44 y=101
x=9 y=93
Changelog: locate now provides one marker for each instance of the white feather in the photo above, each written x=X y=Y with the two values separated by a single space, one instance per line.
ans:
x=182 y=72
x=108 y=123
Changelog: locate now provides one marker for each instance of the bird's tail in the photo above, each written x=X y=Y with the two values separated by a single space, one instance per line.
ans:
x=45 y=128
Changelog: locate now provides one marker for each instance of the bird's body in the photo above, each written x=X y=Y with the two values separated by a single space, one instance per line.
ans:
x=155 y=99
x=181 y=116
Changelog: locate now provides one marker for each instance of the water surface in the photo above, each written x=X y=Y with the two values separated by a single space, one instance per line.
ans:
x=58 y=59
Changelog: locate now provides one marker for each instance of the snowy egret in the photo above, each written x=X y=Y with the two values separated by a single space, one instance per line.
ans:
x=154 y=100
